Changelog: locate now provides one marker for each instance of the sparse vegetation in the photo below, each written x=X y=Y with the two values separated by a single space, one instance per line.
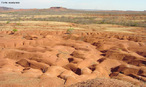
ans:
x=70 y=30
x=18 y=24
x=119 y=49
x=7 y=22
x=14 y=30
x=126 y=18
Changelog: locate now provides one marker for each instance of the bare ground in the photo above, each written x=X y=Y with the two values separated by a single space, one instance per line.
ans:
x=55 y=59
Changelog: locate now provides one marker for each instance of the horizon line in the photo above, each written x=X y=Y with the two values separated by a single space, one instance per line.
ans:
x=75 y=9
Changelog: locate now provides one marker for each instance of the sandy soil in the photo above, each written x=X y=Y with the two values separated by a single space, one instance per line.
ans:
x=34 y=58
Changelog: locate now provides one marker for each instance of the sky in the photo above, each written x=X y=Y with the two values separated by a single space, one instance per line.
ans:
x=137 y=5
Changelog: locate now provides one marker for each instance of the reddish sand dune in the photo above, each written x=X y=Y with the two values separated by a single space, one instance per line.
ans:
x=57 y=59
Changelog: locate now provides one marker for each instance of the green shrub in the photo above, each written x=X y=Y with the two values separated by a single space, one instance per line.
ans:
x=18 y=24
x=15 y=30
x=7 y=22
x=133 y=24
x=70 y=30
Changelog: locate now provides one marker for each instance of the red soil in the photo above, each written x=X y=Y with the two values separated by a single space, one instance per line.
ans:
x=56 y=59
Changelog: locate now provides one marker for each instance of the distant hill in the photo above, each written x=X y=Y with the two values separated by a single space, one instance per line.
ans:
x=58 y=8
x=62 y=10
x=5 y=8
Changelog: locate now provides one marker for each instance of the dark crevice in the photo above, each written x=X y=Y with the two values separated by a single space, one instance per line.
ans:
x=62 y=79
x=136 y=77
x=71 y=54
x=115 y=69
x=103 y=54
x=125 y=59
x=70 y=59
x=93 y=67
x=104 y=51
x=144 y=62
x=101 y=60
x=58 y=54
x=78 y=71
x=121 y=72
x=44 y=69
x=114 y=74
x=140 y=72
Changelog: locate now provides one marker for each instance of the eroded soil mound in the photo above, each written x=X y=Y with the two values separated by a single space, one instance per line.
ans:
x=57 y=59
x=103 y=82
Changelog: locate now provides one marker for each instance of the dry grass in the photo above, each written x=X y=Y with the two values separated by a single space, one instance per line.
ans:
x=61 y=26
x=136 y=19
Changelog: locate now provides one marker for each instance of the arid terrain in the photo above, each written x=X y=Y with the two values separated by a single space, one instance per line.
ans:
x=56 y=53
